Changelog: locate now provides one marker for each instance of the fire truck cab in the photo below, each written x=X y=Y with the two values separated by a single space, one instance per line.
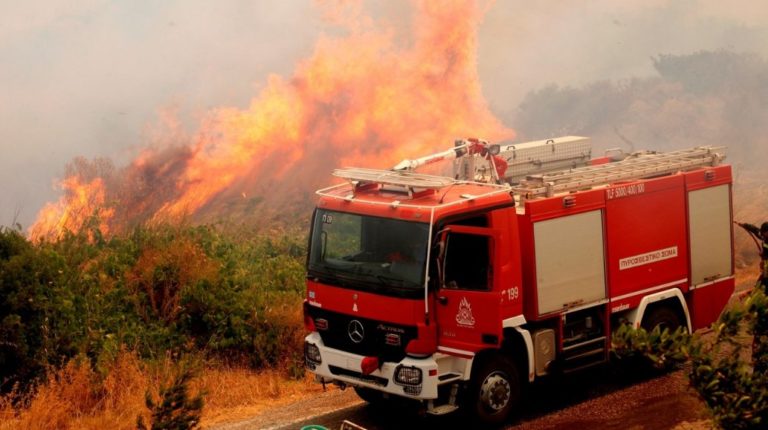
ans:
x=457 y=292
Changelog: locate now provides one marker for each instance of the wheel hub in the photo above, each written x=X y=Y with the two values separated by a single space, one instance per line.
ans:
x=495 y=391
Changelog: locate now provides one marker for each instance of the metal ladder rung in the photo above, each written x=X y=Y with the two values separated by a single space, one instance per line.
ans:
x=642 y=170
x=397 y=178
x=636 y=164
x=642 y=166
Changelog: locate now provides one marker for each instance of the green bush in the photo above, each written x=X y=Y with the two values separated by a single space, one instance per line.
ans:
x=39 y=318
x=235 y=295
x=732 y=382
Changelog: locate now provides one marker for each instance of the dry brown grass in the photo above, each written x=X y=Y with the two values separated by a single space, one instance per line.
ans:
x=79 y=397
x=237 y=393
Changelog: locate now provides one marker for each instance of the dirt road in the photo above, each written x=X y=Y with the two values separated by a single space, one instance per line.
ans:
x=603 y=398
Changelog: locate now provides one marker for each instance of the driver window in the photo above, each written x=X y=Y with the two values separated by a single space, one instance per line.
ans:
x=467 y=262
x=344 y=231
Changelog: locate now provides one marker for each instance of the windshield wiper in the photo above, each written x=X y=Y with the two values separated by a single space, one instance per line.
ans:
x=328 y=277
x=360 y=278
x=401 y=283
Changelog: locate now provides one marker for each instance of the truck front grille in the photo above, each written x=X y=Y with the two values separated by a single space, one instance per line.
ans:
x=371 y=340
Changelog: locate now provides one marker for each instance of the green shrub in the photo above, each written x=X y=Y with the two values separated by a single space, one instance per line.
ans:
x=40 y=320
x=732 y=382
x=229 y=294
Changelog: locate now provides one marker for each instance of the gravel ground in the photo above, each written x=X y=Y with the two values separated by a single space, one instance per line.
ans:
x=325 y=403
x=662 y=402
x=598 y=399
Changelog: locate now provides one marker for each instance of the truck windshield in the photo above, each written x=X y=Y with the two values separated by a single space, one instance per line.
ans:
x=368 y=252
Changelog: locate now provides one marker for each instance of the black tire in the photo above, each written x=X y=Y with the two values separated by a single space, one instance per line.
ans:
x=495 y=390
x=664 y=317
x=661 y=316
x=370 y=395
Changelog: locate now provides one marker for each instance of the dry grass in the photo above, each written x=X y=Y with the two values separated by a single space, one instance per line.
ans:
x=696 y=425
x=745 y=277
x=237 y=393
x=79 y=397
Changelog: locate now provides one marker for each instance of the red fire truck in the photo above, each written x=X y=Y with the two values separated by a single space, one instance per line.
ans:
x=457 y=291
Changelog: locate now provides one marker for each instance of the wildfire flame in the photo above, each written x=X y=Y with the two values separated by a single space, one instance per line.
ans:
x=81 y=203
x=359 y=99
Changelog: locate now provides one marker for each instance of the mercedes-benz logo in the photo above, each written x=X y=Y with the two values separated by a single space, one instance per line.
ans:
x=356 y=331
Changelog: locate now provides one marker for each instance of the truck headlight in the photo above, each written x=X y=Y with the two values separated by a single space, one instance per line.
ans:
x=408 y=375
x=312 y=355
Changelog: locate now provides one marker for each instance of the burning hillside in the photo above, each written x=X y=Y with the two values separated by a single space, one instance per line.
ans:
x=360 y=99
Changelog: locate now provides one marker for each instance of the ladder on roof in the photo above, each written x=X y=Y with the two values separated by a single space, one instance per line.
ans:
x=637 y=166
x=406 y=181
x=392 y=177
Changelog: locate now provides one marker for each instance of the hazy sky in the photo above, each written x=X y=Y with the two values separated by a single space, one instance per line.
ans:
x=90 y=77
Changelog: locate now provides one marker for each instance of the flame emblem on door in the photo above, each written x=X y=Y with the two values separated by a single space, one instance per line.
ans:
x=465 y=317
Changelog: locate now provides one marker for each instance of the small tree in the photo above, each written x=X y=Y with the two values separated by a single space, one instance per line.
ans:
x=175 y=410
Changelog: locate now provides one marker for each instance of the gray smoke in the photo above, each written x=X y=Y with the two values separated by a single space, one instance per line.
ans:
x=88 y=78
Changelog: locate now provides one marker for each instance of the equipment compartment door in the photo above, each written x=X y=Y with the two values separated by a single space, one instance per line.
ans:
x=570 y=261
x=468 y=305
x=709 y=217
x=709 y=213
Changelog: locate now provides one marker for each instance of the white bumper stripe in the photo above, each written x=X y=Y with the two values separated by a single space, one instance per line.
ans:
x=351 y=362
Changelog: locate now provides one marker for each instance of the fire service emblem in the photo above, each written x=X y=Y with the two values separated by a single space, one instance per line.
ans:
x=465 y=317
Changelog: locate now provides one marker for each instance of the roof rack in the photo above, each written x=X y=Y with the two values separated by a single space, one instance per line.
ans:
x=407 y=181
x=636 y=166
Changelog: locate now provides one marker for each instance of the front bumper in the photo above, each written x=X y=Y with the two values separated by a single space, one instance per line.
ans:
x=340 y=366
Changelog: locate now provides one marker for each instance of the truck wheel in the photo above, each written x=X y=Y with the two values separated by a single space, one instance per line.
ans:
x=662 y=316
x=495 y=390
x=371 y=396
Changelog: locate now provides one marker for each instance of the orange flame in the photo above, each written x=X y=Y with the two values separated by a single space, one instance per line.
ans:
x=82 y=201
x=359 y=99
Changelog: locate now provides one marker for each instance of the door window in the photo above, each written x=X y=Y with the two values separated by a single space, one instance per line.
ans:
x=467 y=262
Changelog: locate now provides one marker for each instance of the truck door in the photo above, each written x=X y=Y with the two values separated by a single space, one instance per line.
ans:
x=467 y=302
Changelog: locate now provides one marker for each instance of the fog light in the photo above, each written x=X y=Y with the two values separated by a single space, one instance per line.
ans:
x=408 y=375
x=312 y=354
